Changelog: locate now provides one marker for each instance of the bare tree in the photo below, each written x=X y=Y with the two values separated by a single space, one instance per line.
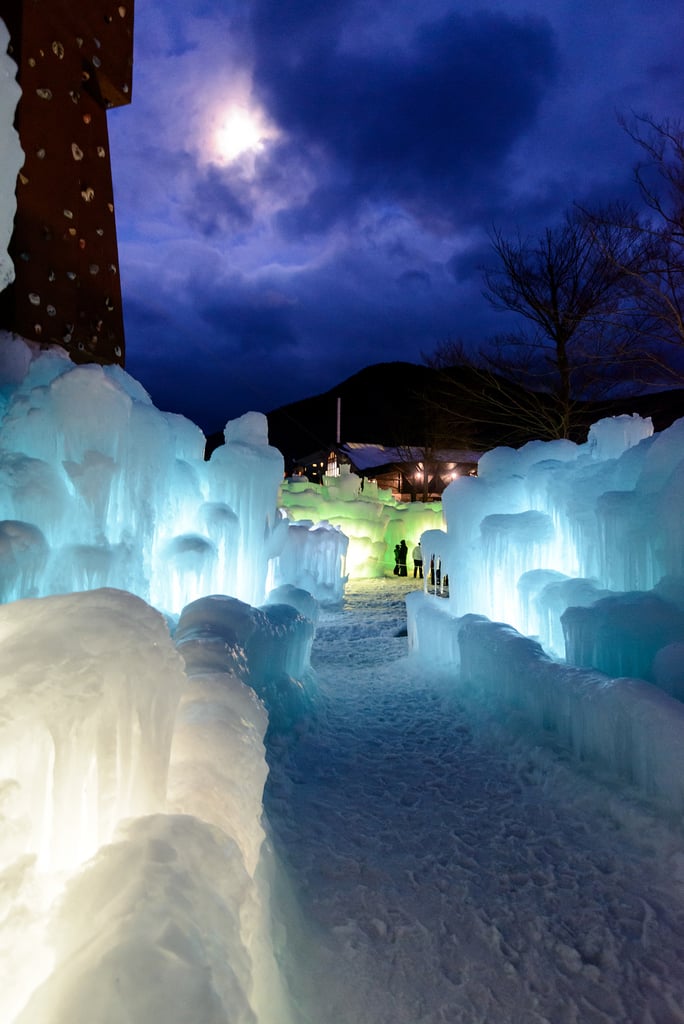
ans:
x=658 y=282
x=479 y=399
x=571 y=289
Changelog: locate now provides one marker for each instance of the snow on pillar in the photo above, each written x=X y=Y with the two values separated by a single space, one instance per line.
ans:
x=11 y=155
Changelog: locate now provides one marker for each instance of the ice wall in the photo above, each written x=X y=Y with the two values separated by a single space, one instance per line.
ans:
x=89 y=686
x=11 y=154
x=267 y=648
x=108 y=749
x=313 y=558
x=629 y=728
x=581 y=547
x=100 y=488
x=522 y=535
x=369 y=517
x=130 y=820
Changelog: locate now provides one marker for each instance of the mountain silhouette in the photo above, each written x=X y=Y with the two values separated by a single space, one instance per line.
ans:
x=409 y=404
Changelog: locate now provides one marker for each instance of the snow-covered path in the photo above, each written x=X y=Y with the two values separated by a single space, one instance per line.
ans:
x=445 y=871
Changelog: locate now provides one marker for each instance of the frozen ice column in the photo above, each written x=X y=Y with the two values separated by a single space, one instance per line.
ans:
x=89 y=686
x=244 y=476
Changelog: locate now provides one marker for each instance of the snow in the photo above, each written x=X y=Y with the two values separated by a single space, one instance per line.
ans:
x=440 y=862
x=372 y=456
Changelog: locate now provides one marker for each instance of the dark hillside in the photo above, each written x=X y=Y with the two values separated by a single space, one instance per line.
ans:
x=383 y=402
x=400 y=403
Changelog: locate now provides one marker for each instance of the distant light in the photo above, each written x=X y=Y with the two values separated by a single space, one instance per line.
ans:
x=240 y=132
x=241 y=129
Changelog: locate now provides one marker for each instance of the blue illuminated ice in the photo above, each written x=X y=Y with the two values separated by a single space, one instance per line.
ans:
x=313 y=558
x=119 y=494
x=125 y=765
x=582 y=548
x=268 y=648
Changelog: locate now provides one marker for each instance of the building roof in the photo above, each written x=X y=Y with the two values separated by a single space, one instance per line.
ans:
x=372 y=456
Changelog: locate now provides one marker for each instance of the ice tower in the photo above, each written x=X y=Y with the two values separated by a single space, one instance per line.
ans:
x=74 y=62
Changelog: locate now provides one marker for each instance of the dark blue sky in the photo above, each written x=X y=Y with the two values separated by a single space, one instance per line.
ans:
x=390 y=138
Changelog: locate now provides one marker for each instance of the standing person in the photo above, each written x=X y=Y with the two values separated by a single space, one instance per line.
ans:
x=397 y=555
x=418 y=562
x=403 y=552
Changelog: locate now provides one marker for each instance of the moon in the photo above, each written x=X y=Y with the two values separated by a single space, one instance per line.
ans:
x=242 y=130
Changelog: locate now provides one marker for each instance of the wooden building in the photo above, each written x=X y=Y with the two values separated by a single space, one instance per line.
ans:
x=410 y=473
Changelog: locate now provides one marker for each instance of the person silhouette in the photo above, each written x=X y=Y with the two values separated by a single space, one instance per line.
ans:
x=403 y=552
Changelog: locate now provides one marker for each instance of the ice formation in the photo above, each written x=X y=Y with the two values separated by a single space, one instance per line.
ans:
x=370 y=518
x=96 y=709
x=133 y=775
x=125 y=769
x=313 y=557
x=267 y=648
x=119 y=494
x=581 y=549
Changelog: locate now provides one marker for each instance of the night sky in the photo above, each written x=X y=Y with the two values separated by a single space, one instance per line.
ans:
x=306 y=187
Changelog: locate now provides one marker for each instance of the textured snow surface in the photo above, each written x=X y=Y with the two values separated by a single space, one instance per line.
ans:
x=445 y=869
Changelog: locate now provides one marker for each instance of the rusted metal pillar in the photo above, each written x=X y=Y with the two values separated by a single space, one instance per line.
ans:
x=74 y=62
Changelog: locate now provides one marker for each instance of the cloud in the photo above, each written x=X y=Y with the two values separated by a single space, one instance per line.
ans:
x=405 y=132
x=422 y=124
x=214 y=203
x=214 y=342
